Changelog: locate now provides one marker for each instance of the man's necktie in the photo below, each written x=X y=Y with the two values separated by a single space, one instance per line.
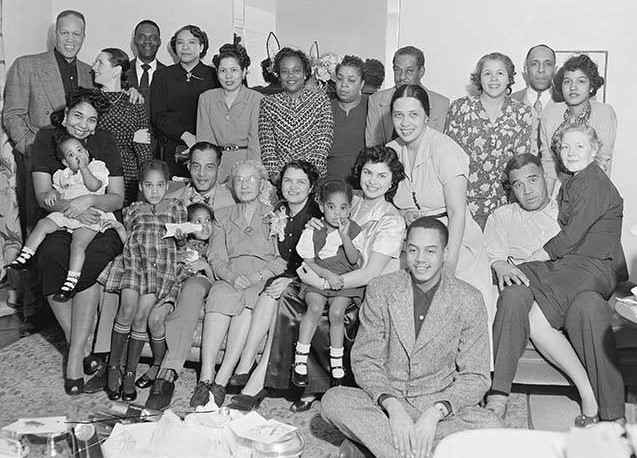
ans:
x=537 y=106
x=144 y=82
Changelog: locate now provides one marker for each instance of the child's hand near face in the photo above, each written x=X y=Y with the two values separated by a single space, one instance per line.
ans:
x=82 y=159
x=343 y=228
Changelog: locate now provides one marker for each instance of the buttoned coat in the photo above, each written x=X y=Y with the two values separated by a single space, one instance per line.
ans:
x=447 y=361
x=32 y=92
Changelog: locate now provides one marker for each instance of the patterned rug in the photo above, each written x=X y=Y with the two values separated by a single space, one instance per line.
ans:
x=31 y=384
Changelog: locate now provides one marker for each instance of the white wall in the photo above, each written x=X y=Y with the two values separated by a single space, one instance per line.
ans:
x=341 y=26
x=455 y=33
x=28 y=23
x=260 y=20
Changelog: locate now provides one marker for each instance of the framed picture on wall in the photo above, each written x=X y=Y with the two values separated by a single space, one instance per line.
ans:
x=599 y=57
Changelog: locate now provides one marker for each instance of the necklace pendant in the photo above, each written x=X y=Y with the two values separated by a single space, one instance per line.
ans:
x=188 y=76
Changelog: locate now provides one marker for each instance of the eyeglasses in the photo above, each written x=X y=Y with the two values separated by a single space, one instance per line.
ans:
x=247 y=180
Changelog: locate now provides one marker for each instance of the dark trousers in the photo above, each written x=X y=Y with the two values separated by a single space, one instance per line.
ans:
x=29 y=214
x=588 y=327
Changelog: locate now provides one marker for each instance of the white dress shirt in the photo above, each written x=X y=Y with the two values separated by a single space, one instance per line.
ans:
x=140 y=71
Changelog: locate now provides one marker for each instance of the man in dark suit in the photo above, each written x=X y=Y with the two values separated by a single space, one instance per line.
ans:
x=539 y=69
x=147 y=40
x=36 y=86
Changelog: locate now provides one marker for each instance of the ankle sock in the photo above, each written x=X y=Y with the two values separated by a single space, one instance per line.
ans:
x=72 y=277
x=300 y=358
x=336 y=362
x=25 y=255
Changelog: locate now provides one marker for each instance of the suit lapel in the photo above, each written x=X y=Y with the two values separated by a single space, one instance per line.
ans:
x=51 y=80
x=437 y=317
x=401 y=311
x=132 y=74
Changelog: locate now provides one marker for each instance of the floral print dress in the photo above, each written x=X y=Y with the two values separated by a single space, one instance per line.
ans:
x=489 y=145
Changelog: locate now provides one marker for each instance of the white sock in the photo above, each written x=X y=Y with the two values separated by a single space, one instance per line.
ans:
x=336 y=362
x=302 y=350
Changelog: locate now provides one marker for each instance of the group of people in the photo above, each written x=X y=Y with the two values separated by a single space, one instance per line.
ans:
x=394 y=249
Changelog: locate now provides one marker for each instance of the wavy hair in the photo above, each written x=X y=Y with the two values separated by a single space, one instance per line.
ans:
x=290 y=52
x=377 y=155
x=508 y=64
x=266 y=190
x=119 y=58
x=93 y=97
x=197 y=33
x=586 y=65
x=237 y=52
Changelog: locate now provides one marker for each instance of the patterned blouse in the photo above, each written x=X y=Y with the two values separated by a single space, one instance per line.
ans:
x=489 y=145
x=295 y=128
x=123 y=119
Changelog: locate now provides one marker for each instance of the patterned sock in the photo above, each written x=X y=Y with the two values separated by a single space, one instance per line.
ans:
x=300 y=358
x=336 y=362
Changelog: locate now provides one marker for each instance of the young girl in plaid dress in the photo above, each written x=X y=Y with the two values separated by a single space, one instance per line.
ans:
x=143 y=274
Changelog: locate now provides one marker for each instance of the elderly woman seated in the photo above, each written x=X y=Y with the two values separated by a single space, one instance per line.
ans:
x=243 y=257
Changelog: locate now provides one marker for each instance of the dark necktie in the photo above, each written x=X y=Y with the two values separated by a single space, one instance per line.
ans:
x=144 y=81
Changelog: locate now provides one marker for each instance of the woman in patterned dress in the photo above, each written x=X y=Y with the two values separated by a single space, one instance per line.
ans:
x=143 y=274
x=491 y=128
x=577 y=81
x=127 y=121
x=297 y=123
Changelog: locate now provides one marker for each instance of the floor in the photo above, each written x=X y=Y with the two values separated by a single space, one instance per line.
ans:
x=9 y=324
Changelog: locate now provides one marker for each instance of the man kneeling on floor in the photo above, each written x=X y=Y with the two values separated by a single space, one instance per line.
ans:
x=421 y=357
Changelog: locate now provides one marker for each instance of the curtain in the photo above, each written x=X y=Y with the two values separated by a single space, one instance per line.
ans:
x=10 y=235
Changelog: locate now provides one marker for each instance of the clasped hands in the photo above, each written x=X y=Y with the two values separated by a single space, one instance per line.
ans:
x=412 y=439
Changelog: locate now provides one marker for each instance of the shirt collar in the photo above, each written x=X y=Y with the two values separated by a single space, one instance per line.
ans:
x=139 y=63
x=60 y=58
x=531 y=96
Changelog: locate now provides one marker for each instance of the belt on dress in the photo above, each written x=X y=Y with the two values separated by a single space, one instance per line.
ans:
x=232 y=147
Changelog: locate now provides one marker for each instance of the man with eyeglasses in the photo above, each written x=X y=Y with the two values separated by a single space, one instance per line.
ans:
x=409 y=68
x=146 y=41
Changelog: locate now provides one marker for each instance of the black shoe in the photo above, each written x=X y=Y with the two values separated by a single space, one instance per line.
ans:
x=93 y=363
x=246 y=402
x=98 y=381
x=161 y=394
x=73 y=387
x=201 y=395
x=299 y=380
x=129 y=393
x=64 y=295
x=218 y=393
x=145 y=381
x=239 y=380
x=16 y=265
x=337 y=381
x=114 y=393
x=27 y=327
x=302 y=405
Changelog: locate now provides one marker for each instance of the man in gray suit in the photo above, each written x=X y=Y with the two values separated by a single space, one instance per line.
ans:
x=409 y=68
x=539 y=68
x=421 y=357
x=36 y=86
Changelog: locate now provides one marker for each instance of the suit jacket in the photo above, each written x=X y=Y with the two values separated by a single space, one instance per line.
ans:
x=536 y=138
x=133 y=80
x=380 y=126
x=32 y=92
x=447 y=361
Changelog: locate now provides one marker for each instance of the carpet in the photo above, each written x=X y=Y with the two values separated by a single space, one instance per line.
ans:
x=31 y=384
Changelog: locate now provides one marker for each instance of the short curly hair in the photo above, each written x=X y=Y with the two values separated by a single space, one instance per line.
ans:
x=354 y=62
x=93 y=97
x=235 y=51
x=586 y=65
x=508 y=64
x=290 y=52
x=266 y=191
x=302 y=165
x=375 y=72
x=197 y=33
x=377 y=155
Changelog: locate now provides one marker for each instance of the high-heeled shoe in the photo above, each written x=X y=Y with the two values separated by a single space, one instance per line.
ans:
x=246 y=402
x=114 y=393
x=73 y=387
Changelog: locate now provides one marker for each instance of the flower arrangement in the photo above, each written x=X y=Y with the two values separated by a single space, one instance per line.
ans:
x=277 y=219
x=324 y=68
